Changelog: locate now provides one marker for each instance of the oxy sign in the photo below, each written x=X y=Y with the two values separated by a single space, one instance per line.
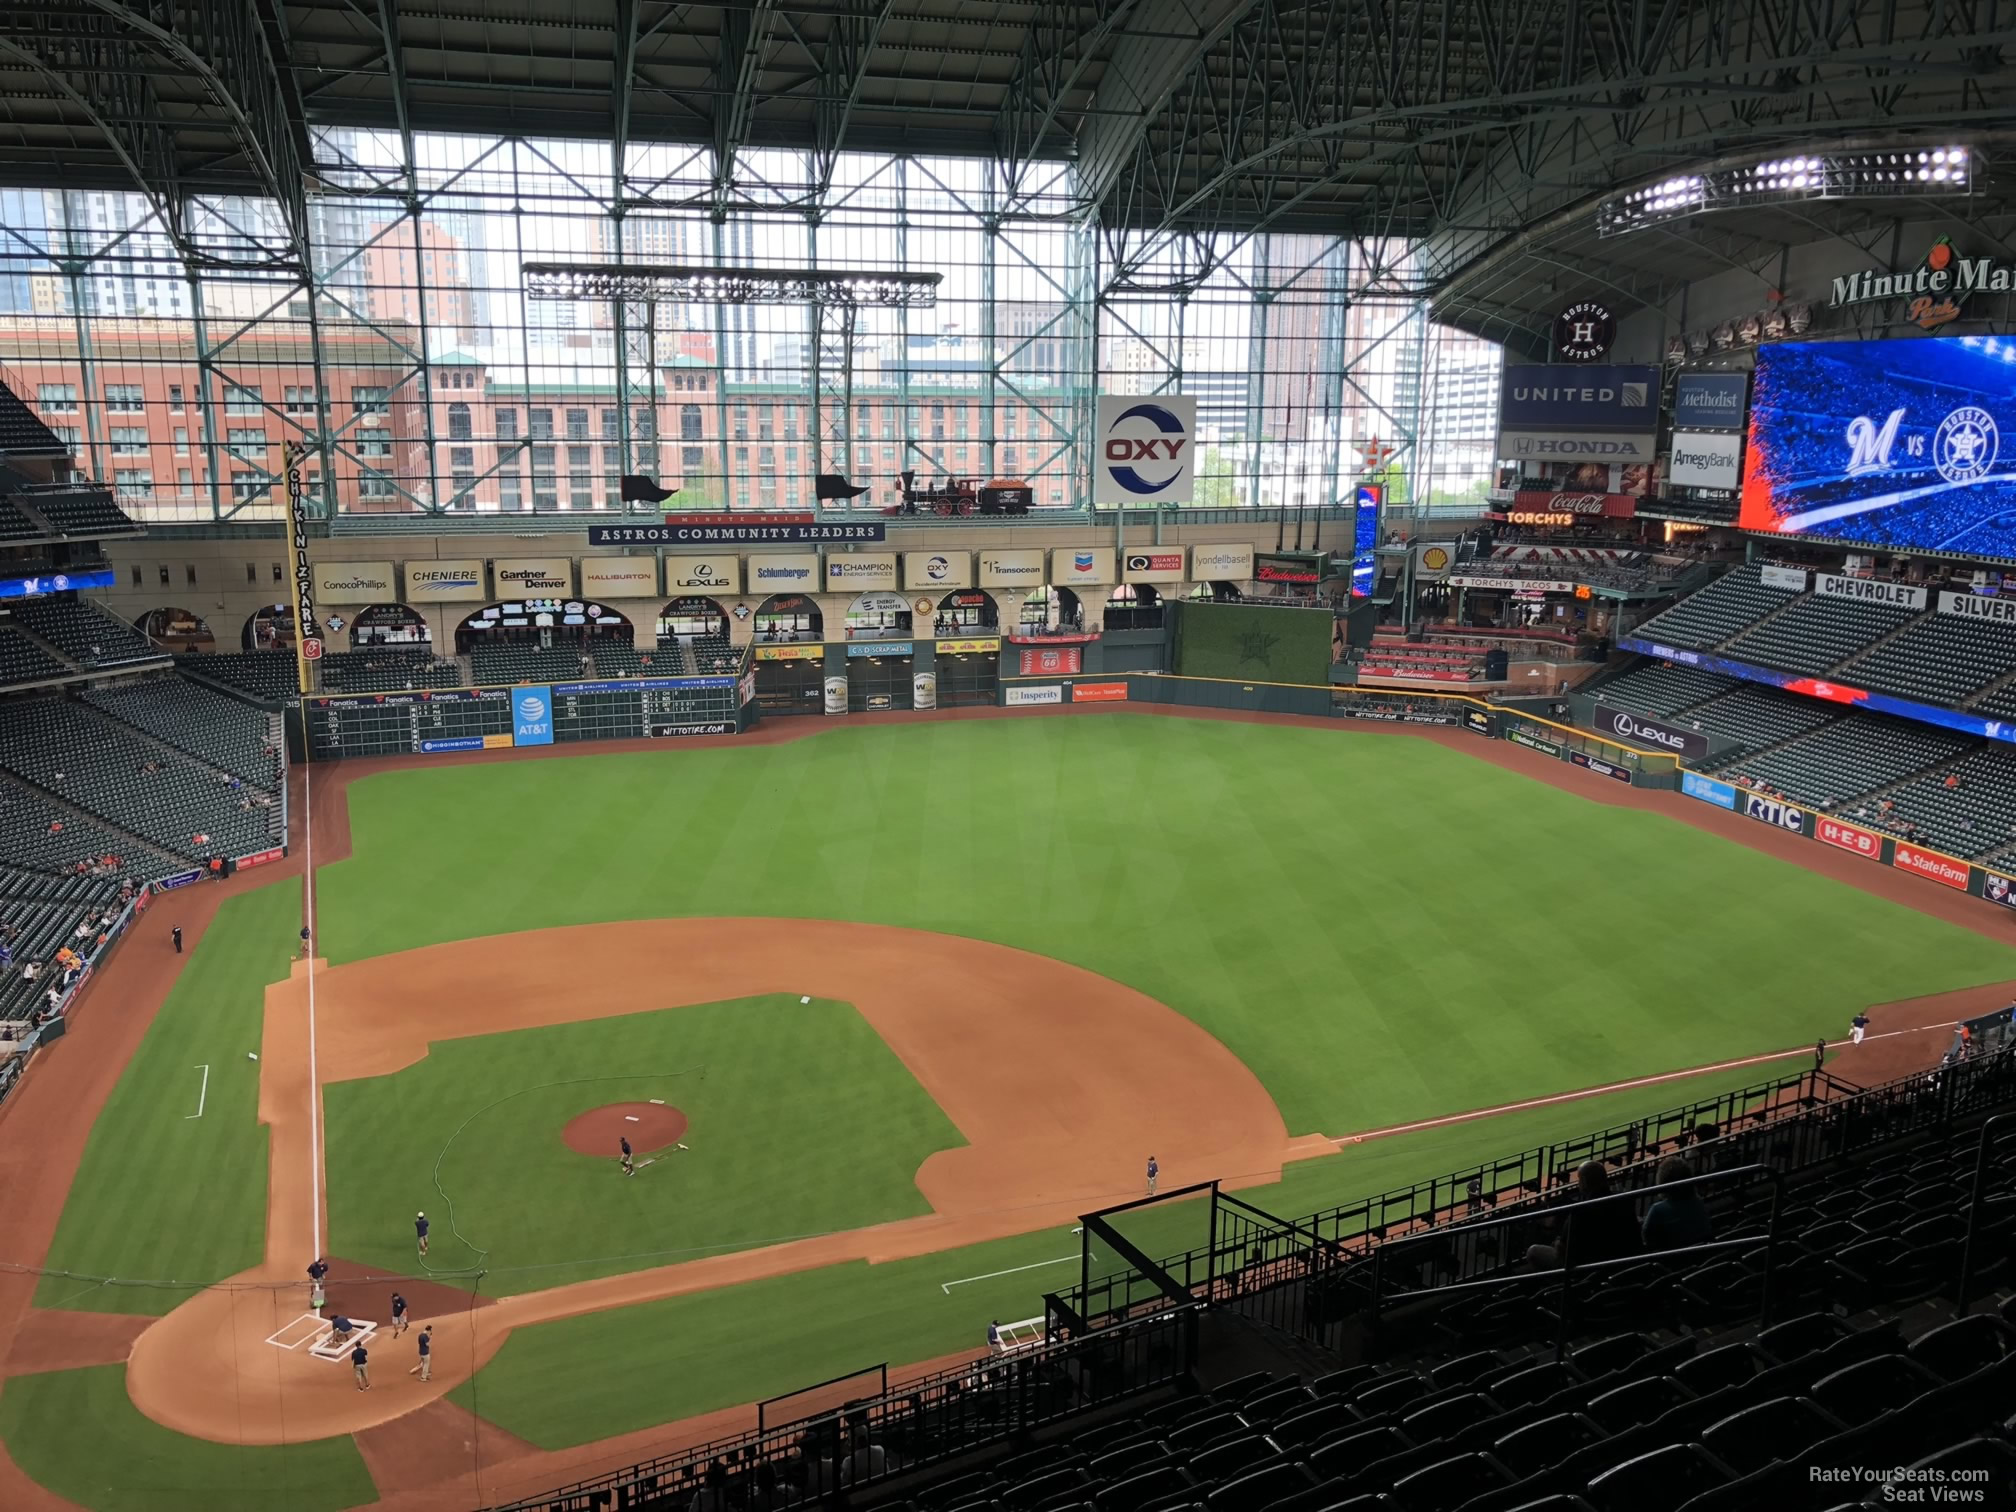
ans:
x=1146 y=446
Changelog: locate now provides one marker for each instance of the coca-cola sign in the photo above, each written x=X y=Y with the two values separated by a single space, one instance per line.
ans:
x=1616 y=505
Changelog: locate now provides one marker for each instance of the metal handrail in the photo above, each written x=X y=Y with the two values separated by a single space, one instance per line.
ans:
x=1974 y=1205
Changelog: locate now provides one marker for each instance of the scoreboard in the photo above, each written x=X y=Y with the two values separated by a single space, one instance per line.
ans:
x=402 y=724
x=472 y=719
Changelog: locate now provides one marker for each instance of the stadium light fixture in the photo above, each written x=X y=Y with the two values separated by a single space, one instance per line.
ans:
x=642 y=283
x=1915 y=171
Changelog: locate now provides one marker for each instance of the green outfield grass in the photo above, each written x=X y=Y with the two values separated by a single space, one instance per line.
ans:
x=580 y=1379
x=161 y=1195
x=1383 y=929
x=77 y=1433
x=803 y=1121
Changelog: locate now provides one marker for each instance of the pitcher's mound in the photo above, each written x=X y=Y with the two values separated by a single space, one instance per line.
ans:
x=648 y=1126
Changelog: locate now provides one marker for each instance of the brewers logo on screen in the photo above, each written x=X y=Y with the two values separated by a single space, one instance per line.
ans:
x=1885 y=443
x=1584 y=332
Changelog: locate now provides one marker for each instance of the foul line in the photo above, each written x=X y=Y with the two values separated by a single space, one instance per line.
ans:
x=946 y=1286
x=202 y=1096
x=314 y=939
x=1622 y=1086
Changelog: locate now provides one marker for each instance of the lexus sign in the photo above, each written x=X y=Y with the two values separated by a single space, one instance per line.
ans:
x=1635 y=729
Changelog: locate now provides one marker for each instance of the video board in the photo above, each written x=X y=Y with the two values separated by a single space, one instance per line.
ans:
x=1908 y=444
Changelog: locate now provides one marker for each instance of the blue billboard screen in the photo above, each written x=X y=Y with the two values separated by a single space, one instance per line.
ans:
x=1908 y=444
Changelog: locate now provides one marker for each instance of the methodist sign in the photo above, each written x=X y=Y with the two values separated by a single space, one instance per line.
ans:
x=1578 y=414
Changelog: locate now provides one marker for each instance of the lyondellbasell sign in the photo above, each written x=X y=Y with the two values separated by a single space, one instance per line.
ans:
x=1933 y=290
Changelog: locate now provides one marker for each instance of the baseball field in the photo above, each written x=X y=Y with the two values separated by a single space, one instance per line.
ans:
x=884 y=1008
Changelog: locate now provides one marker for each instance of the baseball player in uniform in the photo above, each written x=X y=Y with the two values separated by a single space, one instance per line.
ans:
x=1154 y=1174
x=1856 y=1027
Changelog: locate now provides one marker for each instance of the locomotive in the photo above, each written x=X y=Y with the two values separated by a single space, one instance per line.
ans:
x=964 y=496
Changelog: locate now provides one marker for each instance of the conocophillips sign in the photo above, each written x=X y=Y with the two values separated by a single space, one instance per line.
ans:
x=354 y=582
x=1635 y=729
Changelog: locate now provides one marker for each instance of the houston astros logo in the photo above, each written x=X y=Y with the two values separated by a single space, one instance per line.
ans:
x=1123 y=450
x=1966 y=444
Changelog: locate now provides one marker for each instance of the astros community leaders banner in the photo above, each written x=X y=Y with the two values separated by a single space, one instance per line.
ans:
x=533 y=577
x=619 y=577
x=456 y=581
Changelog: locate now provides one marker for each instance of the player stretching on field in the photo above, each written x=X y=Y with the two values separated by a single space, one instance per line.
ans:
x=628 y=1168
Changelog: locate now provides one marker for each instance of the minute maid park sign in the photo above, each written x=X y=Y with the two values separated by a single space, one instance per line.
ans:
x=1934 y=288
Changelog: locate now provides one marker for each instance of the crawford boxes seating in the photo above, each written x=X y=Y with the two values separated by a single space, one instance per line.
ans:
x=268 y=676
x=1851 y=756
x=214 y=727
x=22 y=661
x=1661 y=691
x=100 y=765
x=387 y=671
x=38 y=832
x=1976 y=818
x=44 y=909
x=1720 y=610
x=1815 y=634
x=1758 y=716
x=523 y=664
x=714 y=655
x=671 y=658
x=87 y=634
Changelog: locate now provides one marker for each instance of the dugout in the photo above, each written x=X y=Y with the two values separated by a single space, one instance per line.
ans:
x=175 y=629
x=790 y=679
x=789 y=617
x=389 y=625
x=880 y=676
x=968 y=612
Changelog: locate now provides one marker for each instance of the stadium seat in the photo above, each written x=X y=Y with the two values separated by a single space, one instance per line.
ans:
x=1768 y=1432
x=1259 y=1488
x=1451 y=1482
x=1137 y=1491
x=1533 y=1448
x=1351 y=1456
x=1861 y=1392
x=1660 y=1481
x=1731 y=1365
x=1962 y=1347
x=1638 y=1403
x=1797 y=1337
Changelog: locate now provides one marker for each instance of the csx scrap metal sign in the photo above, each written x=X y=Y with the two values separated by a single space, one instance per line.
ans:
x=1145 y=449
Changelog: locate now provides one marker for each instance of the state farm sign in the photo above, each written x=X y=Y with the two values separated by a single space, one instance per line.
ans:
x=1930 y=865
x=1850 y=837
